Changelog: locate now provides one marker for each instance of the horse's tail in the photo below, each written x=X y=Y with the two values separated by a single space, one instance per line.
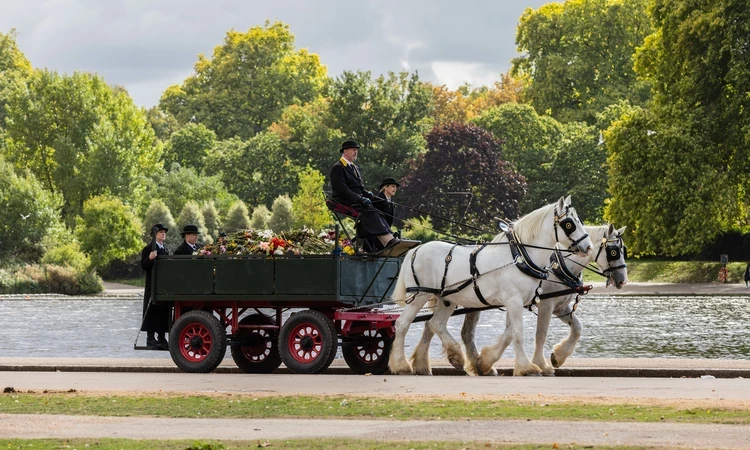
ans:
x=399 y=292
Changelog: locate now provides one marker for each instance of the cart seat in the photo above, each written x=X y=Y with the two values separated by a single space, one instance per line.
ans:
x=340 y=208
x=399 y=249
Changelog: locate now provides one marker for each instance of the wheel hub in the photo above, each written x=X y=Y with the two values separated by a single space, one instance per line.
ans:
x=196 y=342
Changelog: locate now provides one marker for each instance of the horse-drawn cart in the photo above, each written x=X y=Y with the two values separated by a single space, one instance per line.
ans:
x=239 y=301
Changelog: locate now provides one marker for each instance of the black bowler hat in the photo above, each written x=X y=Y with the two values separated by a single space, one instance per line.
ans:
x=190 y=229
x=158 y=227
x=387 y=181
x=348 y=144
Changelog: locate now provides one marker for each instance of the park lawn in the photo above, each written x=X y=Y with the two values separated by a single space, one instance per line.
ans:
x=653 y=271
x=353 y=407
x=288 y=444
x=138 y=282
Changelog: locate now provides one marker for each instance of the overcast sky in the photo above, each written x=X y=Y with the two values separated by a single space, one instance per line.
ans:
x=148 y=45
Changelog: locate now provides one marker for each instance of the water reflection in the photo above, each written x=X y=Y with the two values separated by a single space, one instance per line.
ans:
x=624 y=327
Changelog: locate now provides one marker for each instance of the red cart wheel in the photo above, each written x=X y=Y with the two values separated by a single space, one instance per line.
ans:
x=257 y=350
x=369 y=352
x=308 y=342
x=197 y=342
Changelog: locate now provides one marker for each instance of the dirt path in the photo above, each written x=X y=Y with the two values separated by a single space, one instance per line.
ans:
x=501 y=431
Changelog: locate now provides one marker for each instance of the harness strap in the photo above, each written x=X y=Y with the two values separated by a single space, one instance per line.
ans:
x=475 y=274
x=448 y=259
x=560 y=269
x=525 y=264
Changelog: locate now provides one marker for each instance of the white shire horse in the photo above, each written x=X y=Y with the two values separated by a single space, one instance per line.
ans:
x=447 y=271
x=610 y=259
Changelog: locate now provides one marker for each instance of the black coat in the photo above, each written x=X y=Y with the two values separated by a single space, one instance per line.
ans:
x=184 y=249
x=381 y=203
x=747 y=272
x=157 y=316
x=349 y=189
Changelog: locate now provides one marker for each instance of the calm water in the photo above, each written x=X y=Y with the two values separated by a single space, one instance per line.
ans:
x=682 y=327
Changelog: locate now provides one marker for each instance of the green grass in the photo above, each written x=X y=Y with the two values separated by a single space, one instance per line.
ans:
x=291 y=444
x=244 y=406
x=138 y=282
x=676 y=272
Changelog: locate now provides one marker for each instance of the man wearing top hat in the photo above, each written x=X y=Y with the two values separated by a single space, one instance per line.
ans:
x=190 y=241
x=156 y=317
x=349 y=189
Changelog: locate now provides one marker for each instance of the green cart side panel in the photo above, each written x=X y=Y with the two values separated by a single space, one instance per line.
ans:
x=184 y=276
x=356 y=275
x=306 y=276
x=244 y=276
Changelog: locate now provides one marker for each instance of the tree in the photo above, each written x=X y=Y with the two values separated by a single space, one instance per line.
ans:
x=309 y=203
x=237 y=218
x=528 y=142
x=189 y=146
x=108 y=230
x=387 y=116
x=80 y=137
x=164 y=125
x=158 y=212
x=260 y=218
x=28 y=212
x=282 y=214
x=180 y=184
x=14 y=69
x=247 y=83
x=579 y=56
x=213 y=221
x=463 y=158
x=257 y=171
x=191 y=215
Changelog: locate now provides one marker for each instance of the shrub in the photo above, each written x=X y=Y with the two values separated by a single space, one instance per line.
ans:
x=211 y=216
x=420 y=229
x=158 y=212
x=108 y=230
x=261 y=217
x=69 y=255
x=49 y=278
x=237 y=218
x=282 y=216
x=191 y=214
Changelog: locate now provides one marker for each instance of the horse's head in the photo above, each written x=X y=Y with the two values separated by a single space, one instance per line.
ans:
x=567 y=219
x=611 y=257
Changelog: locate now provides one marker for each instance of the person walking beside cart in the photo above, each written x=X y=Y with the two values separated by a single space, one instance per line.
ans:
x=155 y=317
x=190 y=243
x=349 y=189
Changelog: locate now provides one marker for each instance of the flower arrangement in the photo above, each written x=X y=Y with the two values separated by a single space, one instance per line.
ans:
x=295 y=242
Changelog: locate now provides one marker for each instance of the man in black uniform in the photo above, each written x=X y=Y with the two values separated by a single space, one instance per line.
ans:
x=156 y=317
x=190 y=241
x=348 y=189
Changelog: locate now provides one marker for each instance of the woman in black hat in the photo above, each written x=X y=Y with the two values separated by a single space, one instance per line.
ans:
x=190 y=240
x=383 y=201
x=349 y=189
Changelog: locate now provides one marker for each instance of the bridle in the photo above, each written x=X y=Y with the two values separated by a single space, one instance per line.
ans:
x=614 y=248
x=567 y=223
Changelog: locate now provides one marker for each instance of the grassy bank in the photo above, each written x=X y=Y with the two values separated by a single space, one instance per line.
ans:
x=655 y=271
x=352 y=407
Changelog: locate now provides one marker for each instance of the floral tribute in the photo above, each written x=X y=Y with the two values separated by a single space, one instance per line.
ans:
x=295 y=242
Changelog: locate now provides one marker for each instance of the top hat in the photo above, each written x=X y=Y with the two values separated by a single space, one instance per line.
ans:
x=348 y=144
x=387 y=181
x=190 y=229
x=158 y=227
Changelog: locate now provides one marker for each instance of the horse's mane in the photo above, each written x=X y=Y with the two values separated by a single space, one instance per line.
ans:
x=527 y=228
x=597 y=233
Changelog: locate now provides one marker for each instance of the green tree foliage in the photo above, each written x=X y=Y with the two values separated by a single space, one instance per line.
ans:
x=14 y=69
x=237 y=218
x=80 y=137
x=260 y=218
x=528 y=142
x=28 y=212
x=257 y=171
x=163 y=124
x=68 y=254
x=180 y=184
x=282 y=214
x=108 y=230
x=247 y=83
x=158 y=212
x=679 y=171
x=309 y=203
x=579 y=55
x=387 y=116
x=463 y=158
x=212 y=218
x=189 y=146
x=191 y=214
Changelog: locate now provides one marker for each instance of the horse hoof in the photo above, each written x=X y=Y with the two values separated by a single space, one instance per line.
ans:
x=548 y=374
x=553 y=360
x=533 y=375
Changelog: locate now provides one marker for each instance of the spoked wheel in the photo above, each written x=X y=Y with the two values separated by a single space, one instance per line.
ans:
x=369 y=352
x=308 y=342
x=197 y=342
x=257 y=350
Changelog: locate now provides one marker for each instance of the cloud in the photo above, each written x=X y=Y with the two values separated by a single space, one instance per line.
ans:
x=147 y=45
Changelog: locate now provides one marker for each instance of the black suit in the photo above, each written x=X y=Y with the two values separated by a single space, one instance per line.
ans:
x=185 y=249
x=349 y=189
x=157 y=319
x=386 y=207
